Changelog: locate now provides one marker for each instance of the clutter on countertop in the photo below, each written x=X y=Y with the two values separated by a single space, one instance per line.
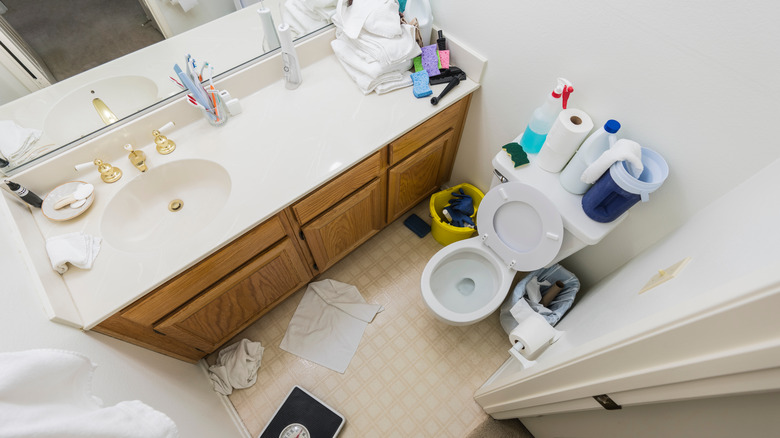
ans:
x=328 y=324
x=516 y=153
x=206 y=98
x=48 y=392
x=78 y=249
x=236 y=366
x=544 y=116
x=421 y=87
x=24 y=194
x=68 y=201
x=373 y=46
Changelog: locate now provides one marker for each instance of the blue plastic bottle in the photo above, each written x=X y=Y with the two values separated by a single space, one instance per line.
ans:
x=543 y=117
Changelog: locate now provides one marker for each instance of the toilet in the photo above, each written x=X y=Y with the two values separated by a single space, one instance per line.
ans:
x=526 y=221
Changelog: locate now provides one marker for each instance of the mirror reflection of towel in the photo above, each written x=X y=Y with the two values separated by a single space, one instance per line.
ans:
x=328 y=324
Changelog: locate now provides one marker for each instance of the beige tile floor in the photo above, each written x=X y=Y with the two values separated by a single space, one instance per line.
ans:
x=412 y=375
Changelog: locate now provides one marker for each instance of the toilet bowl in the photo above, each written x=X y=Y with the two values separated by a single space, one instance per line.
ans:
x=519 y=230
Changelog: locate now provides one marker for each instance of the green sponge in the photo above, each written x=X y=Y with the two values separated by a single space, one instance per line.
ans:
x=517 y=154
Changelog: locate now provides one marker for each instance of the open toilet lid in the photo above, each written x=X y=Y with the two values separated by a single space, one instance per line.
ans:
x=521 y=225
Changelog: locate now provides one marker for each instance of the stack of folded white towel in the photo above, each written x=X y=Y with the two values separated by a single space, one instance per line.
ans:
x=373 y=46
x=306 y=16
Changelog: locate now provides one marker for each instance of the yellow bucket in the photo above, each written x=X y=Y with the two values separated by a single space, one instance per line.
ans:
x=443 y=232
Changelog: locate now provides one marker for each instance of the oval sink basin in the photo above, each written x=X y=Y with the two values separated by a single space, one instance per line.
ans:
x=165 y=204
x=75 y=116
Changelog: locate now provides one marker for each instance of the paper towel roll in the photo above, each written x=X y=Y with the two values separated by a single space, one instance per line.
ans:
x=532 y=330
x=567 y=133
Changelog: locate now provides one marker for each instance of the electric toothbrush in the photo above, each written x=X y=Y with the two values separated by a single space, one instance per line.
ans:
x=292 y=70
x=271 y=41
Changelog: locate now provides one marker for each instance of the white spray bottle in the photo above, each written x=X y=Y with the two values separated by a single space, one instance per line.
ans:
x=292 y=70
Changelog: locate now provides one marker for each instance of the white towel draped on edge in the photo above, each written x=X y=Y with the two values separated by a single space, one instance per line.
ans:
x=328 y=324
x=47 y=393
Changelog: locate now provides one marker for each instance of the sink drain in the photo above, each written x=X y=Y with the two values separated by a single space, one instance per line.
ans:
x=175 y=205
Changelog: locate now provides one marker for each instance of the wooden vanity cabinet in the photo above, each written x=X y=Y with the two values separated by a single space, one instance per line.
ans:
x=341 y=215
x=421 y=160
x=199 y=310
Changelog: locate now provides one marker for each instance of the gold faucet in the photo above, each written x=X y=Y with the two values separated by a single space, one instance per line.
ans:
x=138 y=158
x=102 y=109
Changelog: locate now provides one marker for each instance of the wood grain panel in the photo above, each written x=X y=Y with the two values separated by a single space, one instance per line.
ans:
x=415 y=178
x=347 y=225
x=337 y=189
x=224 y=310
x=450 y=118
x=187 y=285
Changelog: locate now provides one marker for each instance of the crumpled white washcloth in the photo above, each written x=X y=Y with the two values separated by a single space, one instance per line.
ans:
x=236 y=366
x=622 y=150
x=328 y=324
x=379 y=17
x=78 y=249
x=47 y=393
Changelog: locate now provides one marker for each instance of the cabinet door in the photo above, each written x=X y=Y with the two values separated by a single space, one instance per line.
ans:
x=227 y=308
x=346 y=225
x=417 y=176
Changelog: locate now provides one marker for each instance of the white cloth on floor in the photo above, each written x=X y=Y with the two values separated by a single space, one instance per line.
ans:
x=47 y=393
x=622 y=150
x=78 y=249
x=328 y=324
x=236 y=366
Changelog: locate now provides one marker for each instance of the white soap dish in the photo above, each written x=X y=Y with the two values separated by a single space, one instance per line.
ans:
x=68 y=212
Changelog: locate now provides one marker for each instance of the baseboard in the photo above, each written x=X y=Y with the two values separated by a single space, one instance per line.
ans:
x=226 y=403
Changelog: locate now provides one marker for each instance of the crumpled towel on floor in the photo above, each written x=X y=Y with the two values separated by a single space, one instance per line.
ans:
x=328 y=324
x=47 y=393
x=236 y=366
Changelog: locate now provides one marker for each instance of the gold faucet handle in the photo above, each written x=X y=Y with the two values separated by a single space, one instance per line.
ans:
x=164 y=145
x=108 y=173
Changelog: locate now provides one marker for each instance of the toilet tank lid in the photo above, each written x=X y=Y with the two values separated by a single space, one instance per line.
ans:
x=569 y=205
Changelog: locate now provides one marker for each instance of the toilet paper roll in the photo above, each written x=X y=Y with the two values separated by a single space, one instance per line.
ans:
x=567 y=133
x=532 y=331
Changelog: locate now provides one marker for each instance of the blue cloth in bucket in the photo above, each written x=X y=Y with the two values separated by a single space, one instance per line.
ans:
x=560 y=304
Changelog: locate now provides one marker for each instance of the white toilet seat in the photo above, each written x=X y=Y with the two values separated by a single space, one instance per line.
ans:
x=520 y=229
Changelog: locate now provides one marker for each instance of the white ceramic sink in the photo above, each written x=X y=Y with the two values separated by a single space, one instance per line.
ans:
x=168 y=203
x=74 y=116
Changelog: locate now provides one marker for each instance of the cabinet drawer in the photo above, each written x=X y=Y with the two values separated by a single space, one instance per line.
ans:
x=337 y=189
x=227 y=308
x=345 y=226
x=450 y=118
x=184 y=287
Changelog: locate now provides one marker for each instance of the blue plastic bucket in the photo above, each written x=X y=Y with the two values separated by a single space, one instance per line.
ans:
x=617 y=190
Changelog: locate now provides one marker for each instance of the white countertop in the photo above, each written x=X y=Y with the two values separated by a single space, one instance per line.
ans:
x=284 y=145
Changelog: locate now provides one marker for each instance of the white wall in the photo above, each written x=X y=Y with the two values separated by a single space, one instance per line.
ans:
x=695 y=81
x=125 y=372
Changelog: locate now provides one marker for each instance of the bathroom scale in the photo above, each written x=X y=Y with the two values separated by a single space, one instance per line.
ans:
x=303 y=415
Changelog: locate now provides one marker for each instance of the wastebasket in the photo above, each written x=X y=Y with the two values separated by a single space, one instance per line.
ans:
x=443 y=232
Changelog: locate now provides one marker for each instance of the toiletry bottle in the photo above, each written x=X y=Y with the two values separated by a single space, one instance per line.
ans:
x=590 y=150
x=270 y=40
x=26 y=195
x=543 y=117
x=421 y=10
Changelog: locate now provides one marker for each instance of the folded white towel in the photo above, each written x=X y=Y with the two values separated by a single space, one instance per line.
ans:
x=388 y=50
x=304 y=20
x=622 y=150
x=371 y=76
x=236 y=366
x=47 y=393
x=78 y=249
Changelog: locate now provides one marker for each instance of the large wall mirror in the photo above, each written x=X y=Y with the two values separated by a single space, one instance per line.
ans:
x=57 y=57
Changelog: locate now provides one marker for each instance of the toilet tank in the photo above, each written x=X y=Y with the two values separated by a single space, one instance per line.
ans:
x=579 y=230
